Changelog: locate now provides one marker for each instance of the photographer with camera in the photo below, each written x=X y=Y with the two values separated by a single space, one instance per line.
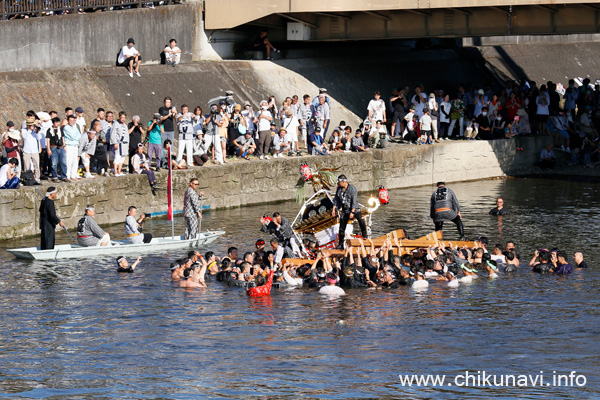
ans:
x=133 y=227
x=136 y=130
x=212 y=123
x=155 y=132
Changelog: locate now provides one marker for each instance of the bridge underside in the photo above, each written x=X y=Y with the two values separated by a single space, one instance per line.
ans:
x=328 y=24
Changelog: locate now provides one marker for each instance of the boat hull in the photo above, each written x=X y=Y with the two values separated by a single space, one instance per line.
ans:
x=118 y=247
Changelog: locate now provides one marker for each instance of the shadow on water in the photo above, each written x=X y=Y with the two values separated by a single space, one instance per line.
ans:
x=76 y=329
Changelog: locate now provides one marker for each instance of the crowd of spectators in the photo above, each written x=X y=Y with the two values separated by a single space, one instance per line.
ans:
x=569 y=114
x=70 y=149
x=67 y=148
x=24 y=10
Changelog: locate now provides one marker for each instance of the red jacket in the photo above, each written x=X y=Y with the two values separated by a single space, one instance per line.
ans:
x=262 y=290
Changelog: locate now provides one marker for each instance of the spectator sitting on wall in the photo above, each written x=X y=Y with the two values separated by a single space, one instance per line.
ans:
x=172 y=53
x=262 y=43
x=129 y=58
x=8 y=175
x=357 y=142
x=547 y=158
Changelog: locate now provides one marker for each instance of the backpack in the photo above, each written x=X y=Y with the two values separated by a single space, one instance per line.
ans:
x=28 y=179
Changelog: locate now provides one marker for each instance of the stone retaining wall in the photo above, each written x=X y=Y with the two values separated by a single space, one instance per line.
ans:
x=243 y=183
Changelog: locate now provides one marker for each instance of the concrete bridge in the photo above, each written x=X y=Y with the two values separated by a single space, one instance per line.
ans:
x=388 y=19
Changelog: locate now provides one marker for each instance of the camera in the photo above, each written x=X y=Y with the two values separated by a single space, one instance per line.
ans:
x=147 y=216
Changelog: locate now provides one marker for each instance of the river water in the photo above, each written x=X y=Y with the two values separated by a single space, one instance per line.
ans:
x=77 y=330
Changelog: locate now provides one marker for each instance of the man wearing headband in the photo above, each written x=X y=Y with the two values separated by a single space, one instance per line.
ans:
x=331 y=288
x=444 y=207
x=346 y=204
x=48 y=219
x=123 y=264
x=89 y=232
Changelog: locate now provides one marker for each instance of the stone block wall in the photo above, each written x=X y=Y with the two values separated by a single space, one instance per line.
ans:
x=253 y=182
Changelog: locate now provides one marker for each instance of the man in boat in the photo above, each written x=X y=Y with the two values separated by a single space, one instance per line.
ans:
x=133 y=227
x=345 y=203
x=48 y=219
x=444 y=207
x=191 y=209
x=89 y=232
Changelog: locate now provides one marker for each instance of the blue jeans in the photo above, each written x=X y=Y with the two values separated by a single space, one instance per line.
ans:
x=59 y=155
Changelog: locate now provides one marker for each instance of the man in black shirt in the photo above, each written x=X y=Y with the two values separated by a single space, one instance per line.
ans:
x=346 y=204
x=499 y=209
x=168 y=114
x=135 y=137
x=580 y=263
x=485 y=130
x=123 y=264
x=55 y=143
x=48 y=219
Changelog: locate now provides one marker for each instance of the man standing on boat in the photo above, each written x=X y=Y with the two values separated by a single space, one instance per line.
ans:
x=346 y=204
x=133 y=227
x=89 y=232
x=444 y=207
x=48 y=219
x=191 y=209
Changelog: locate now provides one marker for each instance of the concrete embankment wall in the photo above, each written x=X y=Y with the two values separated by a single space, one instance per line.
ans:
x=193 y=83
x=71 y=41
x=244 y=183
x=540 y=58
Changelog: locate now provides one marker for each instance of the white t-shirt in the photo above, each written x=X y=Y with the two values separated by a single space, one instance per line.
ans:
x=4 y=174
x=543 y=102
x=263 y=123
x=291 y=280
x=377 y=108
x=499 y=259
x=375 y=132
x=445 y=107
x=291 y=125
x=453 y=283
x=466 y=279
x=431 y=274
x=127 y=52
x=420 y=284
x=332 y=290
x=169 y=55
x=80 y=123
x=425 y=122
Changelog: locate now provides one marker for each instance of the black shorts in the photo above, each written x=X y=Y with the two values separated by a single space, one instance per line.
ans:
x=126 y=62
x=542 y=117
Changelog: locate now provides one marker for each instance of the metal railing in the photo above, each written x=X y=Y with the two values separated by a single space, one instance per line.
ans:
x=29 y=8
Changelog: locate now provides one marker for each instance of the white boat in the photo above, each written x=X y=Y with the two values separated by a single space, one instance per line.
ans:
x=117 y=247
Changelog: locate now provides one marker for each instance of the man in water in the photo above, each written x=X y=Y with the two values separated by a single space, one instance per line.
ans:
x=331 y=288
x=560 y=264
x=499 y=209
x=48 y=219
x=345 y=203
x=133 y=227
x=89 y=232
x=444 y=207
x=191 y=209
x=280 y=227
x=578 y=257
x=123 y=264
